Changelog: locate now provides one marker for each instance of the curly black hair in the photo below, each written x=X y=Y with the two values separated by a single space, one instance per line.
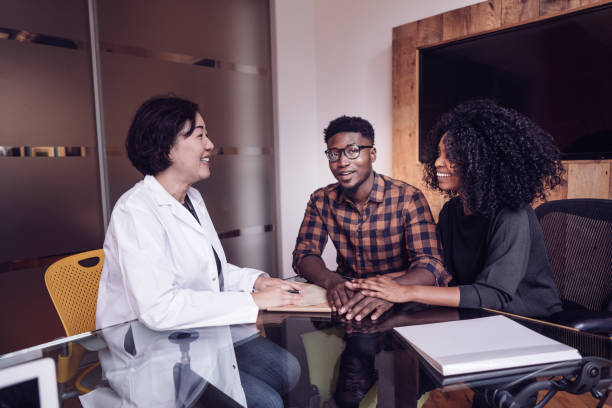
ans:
x=349 y=124
x=502 y=158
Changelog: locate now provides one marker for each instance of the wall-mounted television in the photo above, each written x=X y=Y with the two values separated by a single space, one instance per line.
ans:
x=557 y=71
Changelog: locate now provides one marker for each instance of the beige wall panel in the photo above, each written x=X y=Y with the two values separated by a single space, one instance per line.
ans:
x=405 y=155
x=436 y=201
x=405 y=147
x=405 y=31
x=429 y=30
x=485 y=16
x=403 y=65
x=473 y=19
x=559 y=193
x=404 y=101
x=555 y=6
x=455 y=23
x=588 y=180
x=516 y=11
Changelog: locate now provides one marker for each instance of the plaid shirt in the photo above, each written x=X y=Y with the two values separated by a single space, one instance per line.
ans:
x=396 y=231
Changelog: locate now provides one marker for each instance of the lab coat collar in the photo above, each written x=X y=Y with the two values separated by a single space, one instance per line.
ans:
x=163 y=198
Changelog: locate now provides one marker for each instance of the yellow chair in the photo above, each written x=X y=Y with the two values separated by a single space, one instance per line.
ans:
x=72 y=283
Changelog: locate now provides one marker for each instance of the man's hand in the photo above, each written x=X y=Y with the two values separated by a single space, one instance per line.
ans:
x=313 y=268
x=367 y=306
x=338 y=294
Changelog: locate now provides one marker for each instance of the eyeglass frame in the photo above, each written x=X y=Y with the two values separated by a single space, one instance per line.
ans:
x=328 y=151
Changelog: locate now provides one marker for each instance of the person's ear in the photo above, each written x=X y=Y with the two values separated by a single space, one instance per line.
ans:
x=373 y=154
x=171 y=154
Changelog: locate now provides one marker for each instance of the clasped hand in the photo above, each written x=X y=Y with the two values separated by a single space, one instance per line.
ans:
x=345 y=300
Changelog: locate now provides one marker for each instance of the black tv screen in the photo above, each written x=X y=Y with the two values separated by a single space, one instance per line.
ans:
x=556 y=71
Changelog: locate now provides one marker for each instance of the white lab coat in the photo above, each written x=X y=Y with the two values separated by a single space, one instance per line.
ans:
x=159 y=266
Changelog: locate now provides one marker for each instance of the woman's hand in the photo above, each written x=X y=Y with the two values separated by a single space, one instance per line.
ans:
x=273 y=296
x=382 y=287
x=263 y=282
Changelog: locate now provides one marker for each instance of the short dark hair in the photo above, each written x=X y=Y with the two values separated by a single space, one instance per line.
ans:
x=503 y=159
x=349 y=124
x=154 y=129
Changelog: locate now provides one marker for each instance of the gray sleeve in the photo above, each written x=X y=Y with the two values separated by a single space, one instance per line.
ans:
x=506 y=264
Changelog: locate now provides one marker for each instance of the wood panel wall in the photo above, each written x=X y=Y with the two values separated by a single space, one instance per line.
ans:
x=584 y=179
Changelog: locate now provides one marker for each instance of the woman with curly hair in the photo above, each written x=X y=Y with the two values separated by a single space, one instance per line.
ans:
x=493 y=162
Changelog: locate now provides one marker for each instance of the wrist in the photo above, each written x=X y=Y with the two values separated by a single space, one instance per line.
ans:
x=259 y=282
x=411 y=293
x=332 y=279
x=256 y=299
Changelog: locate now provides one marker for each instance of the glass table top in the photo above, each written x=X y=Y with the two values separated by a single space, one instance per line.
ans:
x=291 y=359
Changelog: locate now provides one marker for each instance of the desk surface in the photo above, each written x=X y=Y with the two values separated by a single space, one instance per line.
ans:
x=357 y=361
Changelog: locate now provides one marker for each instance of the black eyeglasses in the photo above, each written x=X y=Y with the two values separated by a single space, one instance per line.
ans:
x=351 y=151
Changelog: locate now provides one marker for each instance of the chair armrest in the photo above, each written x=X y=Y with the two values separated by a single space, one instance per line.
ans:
x=584 y=320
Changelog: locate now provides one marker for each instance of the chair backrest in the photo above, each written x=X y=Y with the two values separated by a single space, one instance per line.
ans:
x=578 y=236
x=72 y=283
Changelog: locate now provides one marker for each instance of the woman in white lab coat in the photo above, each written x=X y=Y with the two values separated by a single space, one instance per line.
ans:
x=164 y=264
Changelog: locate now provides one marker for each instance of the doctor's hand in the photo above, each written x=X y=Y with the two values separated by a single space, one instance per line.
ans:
x=274 y=296
x=263 y=282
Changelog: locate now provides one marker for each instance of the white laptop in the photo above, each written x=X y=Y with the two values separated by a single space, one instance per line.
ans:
x=31 y=384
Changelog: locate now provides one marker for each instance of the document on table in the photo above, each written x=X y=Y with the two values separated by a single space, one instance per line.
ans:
x=315 y=300
x=483 y=344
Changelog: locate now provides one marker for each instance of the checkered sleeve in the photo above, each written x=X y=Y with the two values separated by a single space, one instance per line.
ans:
x=421 y=238
x=312 y=236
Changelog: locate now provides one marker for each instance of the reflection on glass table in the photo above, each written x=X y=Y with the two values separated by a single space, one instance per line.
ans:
x=328 y=362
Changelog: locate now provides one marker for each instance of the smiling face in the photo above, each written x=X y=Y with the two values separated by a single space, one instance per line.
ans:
x=354 y=175
x=446 y=171
x=190 y=155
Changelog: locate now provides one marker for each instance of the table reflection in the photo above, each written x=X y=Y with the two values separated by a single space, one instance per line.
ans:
x=364 y=340
x=195 y=367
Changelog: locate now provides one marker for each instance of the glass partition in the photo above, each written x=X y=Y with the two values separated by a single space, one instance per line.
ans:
x=216 y=53
x=48 y=170
x=218 y=56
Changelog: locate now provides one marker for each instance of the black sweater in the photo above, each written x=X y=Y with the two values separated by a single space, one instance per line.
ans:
x=498 y=263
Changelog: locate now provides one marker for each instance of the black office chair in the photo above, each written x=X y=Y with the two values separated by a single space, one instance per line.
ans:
x=578 y=236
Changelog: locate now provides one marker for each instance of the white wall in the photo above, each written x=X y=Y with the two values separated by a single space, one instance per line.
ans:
x=330 y=57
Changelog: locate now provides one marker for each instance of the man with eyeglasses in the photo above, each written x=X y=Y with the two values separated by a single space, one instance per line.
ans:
x=377 y=224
